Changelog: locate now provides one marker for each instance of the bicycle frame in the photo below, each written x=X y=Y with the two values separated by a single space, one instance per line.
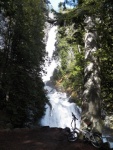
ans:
x=88 y=134
x=83 y=131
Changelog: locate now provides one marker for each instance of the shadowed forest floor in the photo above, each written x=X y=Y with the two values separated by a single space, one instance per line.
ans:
x=44 y=138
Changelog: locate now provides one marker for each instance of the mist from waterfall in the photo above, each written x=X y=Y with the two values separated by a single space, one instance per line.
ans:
x=59 y=112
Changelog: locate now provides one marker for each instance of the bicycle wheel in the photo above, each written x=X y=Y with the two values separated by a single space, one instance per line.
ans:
x=72 y=136
x=96 y=140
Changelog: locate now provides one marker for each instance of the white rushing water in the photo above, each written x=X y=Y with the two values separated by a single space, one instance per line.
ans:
x=50 y=63
x=59 y=112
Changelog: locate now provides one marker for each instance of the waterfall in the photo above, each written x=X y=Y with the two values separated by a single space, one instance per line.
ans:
x=59 y=112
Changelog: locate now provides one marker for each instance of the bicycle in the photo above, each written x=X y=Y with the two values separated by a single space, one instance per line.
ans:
x=88 y=134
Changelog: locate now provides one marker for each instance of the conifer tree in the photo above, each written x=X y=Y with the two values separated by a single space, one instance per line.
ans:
x=96 y=46
x=22 y=89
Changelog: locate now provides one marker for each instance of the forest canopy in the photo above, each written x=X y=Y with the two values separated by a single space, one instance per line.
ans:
x=22 y=96
x=70 y=41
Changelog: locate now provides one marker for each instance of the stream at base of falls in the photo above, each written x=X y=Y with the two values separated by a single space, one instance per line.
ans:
x=59 y=111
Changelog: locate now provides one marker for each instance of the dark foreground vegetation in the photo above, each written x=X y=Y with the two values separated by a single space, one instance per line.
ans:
x=22 y=53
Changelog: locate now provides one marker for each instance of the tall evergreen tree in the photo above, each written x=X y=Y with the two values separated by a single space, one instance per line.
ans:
x=22 y=89
x=90 y=19
x=91 y=95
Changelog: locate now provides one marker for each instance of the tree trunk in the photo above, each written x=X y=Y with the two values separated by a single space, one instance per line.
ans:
x=91 y=95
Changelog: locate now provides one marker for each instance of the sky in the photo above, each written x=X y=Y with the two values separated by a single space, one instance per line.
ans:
x=55 y=3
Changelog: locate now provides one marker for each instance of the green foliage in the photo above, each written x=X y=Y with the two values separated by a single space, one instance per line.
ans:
x=21 y=86
x=71 y=56
x=102 y=12
x=105 y=30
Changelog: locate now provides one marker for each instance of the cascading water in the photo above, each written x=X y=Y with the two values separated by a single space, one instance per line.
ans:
x=59 y=112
